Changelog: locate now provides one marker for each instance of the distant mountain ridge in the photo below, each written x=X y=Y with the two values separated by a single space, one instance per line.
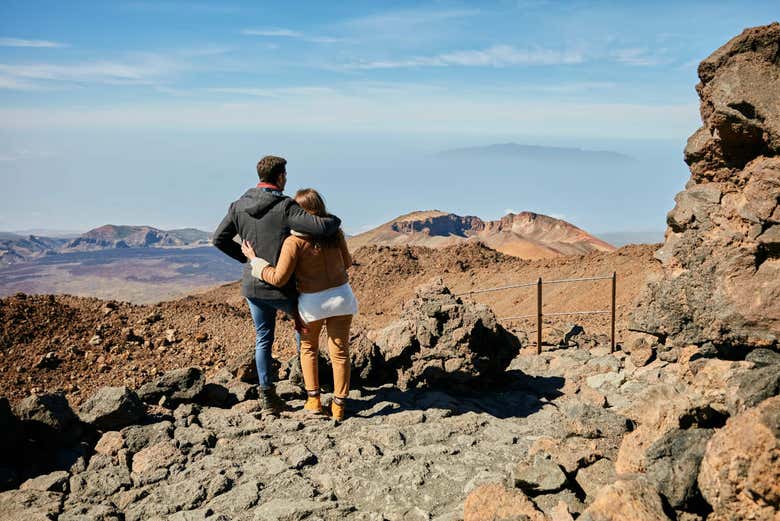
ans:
x=535 y=152
x=527 y=234
x=114 y=236
x=16 y=248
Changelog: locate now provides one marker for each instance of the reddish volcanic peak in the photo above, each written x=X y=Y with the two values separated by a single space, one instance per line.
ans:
x=525 y=234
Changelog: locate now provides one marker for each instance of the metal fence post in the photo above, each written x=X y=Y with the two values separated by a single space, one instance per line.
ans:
x=614 y=290
x=539 y=316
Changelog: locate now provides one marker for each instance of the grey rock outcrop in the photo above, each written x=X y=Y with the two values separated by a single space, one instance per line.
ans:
x=720 y=256
x=438 y=340
x=48 y=418
x=179 y=385
x=674 y=465
x=112 y=408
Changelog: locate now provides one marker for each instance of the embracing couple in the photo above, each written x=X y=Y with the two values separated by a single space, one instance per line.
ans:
x=296 y=262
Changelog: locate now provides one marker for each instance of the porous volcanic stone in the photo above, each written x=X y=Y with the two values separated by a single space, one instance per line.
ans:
x=673 y=464
x=49 y=418
x=179 y=385
x=539 y=475
x=112 y=408
x=739 y=475
x=720 y=281
x=440 y=340
x=494 y=502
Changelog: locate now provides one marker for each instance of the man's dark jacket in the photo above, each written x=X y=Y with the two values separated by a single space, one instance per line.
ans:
x=264 y=218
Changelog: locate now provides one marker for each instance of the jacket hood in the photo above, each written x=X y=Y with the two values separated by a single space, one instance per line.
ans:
x=257 y=202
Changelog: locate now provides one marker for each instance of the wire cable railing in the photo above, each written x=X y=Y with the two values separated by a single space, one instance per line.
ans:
x=539 y=315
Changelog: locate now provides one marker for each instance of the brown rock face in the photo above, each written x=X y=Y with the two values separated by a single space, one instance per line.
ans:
x=721 y=257
x=740 y=472
x=496 y=503
x=626 y=500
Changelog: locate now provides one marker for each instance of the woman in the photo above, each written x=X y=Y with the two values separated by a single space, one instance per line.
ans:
x=326 y=298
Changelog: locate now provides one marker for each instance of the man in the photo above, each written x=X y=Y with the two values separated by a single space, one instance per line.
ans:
x=264 y=216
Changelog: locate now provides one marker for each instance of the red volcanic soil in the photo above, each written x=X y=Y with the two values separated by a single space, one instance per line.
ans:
x=75 y=344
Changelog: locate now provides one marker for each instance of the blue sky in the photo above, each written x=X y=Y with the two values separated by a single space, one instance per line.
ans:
x=156 y=112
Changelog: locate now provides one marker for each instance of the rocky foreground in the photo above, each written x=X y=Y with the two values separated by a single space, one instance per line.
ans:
x=450 y=419
x=641 y=434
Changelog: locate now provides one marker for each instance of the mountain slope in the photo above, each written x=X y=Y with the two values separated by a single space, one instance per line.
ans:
x=527 y=235
x=113 y=236
x=16 y=248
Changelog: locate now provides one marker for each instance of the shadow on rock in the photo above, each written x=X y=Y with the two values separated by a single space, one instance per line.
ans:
x=513 y=395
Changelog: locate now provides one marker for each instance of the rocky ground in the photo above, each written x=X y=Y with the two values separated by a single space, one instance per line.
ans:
x=572 y=431
x=75 y=345
x=450 y=432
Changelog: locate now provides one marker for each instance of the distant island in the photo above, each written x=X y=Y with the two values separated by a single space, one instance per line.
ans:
x=535 y=152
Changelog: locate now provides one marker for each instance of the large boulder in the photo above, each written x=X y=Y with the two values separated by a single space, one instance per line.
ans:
x=673 y=465
x=740 y=472
x=438 y=340
x=179 y=385
x=112 y=408
x=48 y=418
x=626 y=500
x=495 y=502
x=30 y=505
x=721 y=272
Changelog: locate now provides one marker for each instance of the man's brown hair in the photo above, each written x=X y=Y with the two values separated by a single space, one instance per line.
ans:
x=270 y=168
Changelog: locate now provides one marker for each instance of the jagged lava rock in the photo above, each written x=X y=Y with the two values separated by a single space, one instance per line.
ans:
x=49 y=418
x=441 y=340
x=673 y=464
x=740 y=472
x=112 y=408
x=721 y=256
x=179 y=385
x=626 y=500
x=494 y=502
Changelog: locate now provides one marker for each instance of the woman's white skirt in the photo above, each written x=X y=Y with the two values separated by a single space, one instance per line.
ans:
x=331 y=302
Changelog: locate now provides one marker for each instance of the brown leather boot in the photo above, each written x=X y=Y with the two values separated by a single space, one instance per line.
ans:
x=338 y=409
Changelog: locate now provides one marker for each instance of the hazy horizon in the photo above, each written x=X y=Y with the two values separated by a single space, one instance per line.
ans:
x=156 y=113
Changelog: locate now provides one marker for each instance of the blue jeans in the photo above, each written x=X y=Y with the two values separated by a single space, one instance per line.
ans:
x=264 y=317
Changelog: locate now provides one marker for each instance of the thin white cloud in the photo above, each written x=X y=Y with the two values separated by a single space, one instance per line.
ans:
x=354 y=112
x=637 y=57
x=145 y=69
x=279 y=32
x=18 y=42
x=495 y=56
x=274 y=92
x=405 y=18
x=11 y=83
x=21 y=154
x=206 y=50
x=284 y=33
x=179 y=7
